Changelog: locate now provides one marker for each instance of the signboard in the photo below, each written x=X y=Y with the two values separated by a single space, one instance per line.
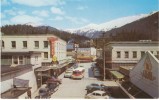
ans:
x=52 y=45
x=54 y=58
x=147 y=72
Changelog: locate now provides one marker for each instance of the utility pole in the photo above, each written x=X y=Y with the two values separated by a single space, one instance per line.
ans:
x=103 y=56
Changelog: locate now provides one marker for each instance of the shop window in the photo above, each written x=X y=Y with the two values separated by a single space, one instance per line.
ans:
x=15 y=60
x=21 y=60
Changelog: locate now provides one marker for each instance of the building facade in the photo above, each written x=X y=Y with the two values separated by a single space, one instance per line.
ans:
x=145 y=75
x=127 y=53
x=39 y=46
x=22 y=55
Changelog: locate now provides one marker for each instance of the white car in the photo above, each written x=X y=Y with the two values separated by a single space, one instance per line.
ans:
x=68 y=73
x=97 y=95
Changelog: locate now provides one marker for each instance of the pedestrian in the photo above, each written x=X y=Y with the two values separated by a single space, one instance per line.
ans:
x=29 y=94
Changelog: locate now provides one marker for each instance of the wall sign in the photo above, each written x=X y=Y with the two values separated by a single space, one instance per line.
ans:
x=147 y=72
x=52 y=45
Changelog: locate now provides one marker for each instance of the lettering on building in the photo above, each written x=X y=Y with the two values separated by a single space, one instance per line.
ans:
x=147 y=72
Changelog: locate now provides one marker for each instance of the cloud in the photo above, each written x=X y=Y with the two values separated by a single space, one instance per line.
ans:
x=76 y=20
x=5 y=22
x=10 y=12
x=56 y=10
x=2 y=15
x=82 y=7
x=5 y=2
x=42 y=13
x=23 y=19
x=58 y=18
x=38 y=3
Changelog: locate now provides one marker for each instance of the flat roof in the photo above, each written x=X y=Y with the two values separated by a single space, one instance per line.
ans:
x=7 y=68
x=14 y=93
x=134 y=42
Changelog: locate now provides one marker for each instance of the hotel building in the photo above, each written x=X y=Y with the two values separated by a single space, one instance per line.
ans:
x=24 y=57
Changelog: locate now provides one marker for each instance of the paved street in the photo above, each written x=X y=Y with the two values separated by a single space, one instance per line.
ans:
x=75 y=88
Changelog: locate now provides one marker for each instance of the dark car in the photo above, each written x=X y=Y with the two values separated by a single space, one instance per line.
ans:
x=95 y=86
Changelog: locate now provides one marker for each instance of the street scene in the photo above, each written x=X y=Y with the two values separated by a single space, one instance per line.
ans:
x=79 y=49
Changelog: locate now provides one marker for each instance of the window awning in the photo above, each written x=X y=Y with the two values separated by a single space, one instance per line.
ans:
x=117 y=74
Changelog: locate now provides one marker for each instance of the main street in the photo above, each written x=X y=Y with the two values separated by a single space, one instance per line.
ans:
x=75 y=88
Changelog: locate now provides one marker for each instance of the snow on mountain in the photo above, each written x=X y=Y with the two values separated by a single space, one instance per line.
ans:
x=92 y=30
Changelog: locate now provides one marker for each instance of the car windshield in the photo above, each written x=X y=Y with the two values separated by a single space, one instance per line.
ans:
x=98 y=94
x=68 y=72
x=104 y=94
x=94 y=84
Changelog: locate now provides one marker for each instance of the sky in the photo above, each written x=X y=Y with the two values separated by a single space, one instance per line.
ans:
x=70 y=14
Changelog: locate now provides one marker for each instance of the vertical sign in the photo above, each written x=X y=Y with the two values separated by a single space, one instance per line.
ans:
x=52 y=45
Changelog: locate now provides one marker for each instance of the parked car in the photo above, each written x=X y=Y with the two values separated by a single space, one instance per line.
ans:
x=97 y=95
x=43 y=92
x=97 y=73
x=68 y=73
x=94 y=86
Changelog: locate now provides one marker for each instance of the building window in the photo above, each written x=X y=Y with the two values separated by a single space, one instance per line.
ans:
x=21 y=60
x=24 y=44
x=15 y=60
x=118 y=54
x=157 y=53
x=13 y=44
x=36 y=58
x=142 y=53
x=126 y=54
x=45 y=44
x=36 y=44
x=134 y=54
x=45 y=54
x=2 y=44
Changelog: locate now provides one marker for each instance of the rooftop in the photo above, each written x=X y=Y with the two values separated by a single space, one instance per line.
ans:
x=5 y=69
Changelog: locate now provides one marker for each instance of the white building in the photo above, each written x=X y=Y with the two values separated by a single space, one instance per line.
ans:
x=127 y=53
x=145 y=75
x=20 y=55
x=87 y=51
x=39 y=46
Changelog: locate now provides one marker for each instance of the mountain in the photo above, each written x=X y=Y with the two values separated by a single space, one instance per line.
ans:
x=95 y=30
x=143 y=29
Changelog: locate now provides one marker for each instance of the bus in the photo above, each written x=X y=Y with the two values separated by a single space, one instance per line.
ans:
x=78 y=73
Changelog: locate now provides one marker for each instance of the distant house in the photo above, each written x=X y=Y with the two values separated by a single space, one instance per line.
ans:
x=145 y=75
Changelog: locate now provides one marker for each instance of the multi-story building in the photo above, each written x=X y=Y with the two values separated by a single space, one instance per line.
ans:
x=127 y=53
x=24 y=57
x=39 y=47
